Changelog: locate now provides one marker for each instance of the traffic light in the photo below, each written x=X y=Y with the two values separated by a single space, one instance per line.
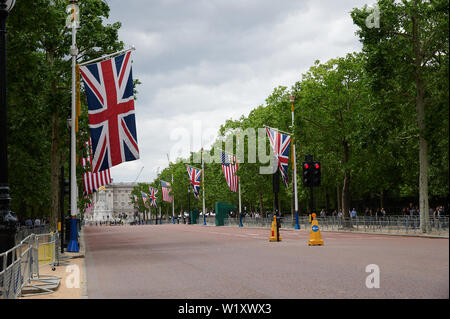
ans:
x=307 y=174
x=316 y=173
x=66 y=187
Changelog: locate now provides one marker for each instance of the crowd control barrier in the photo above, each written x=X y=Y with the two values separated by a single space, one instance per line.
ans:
x=19 y=275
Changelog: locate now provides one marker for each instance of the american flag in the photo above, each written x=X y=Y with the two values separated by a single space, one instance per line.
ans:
x=165 y=186
x=88 y=206
x=144 y=197
x=153 y=198
x=109 y=90
x=281 y=144
x=194 y=177
x=93 y=181
x=229 y=167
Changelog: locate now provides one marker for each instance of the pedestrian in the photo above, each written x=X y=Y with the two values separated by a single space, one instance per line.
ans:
x=37 y=222
x=322 y=213
x=353 y=213
x=366 y=212
x=29 y=222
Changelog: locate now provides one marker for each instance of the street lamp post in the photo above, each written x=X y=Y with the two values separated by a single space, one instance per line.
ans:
x=8 y=221
x=73 y=22
x=294 y=163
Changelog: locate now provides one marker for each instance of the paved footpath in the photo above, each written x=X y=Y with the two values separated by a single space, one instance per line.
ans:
x=195 y=261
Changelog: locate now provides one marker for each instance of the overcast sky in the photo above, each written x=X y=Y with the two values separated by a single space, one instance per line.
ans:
x=202 y=62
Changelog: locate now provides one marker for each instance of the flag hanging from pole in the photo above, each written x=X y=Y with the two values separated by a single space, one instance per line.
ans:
x=281 y=144
x=92 y=182
x=109 y=90
x=229 y=168
x=144 y=197
x=194 y=177
x=165 y=186
x=152 y=196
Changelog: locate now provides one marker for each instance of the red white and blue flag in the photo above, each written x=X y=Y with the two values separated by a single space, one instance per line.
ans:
x=144 y=197
x=229 y=167
x=281 y=144
x=109 y=90
x=194 y=177
x=153 y=196
x=93 y=181
x=165 y=186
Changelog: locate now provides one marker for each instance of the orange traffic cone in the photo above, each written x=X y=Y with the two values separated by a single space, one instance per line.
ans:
x=315 y=239
x=274 y=231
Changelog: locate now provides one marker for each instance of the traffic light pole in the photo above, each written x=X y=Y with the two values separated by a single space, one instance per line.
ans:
x=61 y=204
x=311 y=199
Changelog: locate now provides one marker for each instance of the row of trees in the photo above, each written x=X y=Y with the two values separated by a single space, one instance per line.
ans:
x=377 y=120
x=39 y=95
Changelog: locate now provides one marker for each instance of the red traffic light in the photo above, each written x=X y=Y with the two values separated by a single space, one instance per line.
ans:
x=306 y=166
x=317 y=166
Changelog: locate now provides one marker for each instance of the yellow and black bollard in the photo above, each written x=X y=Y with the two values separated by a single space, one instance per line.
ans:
x=315 y=239
x=275 y=231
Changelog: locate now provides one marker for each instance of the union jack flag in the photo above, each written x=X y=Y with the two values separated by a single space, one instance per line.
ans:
x=109 y=90
x=153 y=198
x=194 y=177
x=281 y=144
x=229 y=167
x=93 y=181
x=165 y=191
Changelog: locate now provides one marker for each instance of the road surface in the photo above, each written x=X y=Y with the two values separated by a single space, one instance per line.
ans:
x=207 y=262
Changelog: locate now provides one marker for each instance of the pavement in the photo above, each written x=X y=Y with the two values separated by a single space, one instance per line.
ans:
x=207 y=262
x=71 y=271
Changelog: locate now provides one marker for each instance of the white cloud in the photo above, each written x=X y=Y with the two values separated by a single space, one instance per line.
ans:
x=210 y=61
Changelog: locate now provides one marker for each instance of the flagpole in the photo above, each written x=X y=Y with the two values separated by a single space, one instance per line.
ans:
x=239 y=188
x=73 y=243
x=203 y=186
x=294 y=162
x=108 y=56
x=173 y=202
x=173 y=195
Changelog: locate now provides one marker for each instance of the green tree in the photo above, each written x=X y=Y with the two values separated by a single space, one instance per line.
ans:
x=38 y=46
x=407 y=60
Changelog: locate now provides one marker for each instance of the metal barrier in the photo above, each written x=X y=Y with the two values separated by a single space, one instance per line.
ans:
x=20 y=272
x=25 y=231
x=389 y=225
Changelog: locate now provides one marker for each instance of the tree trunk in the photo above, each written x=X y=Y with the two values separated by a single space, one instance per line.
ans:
x=382 y=198
x=346 y=186
x=423 y=143
x=339 y=197
x=55 y=164
x=261 y=203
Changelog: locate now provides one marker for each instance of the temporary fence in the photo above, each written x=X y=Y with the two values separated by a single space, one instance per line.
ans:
x=25 y=231
x=19 y=275
x=389 y=224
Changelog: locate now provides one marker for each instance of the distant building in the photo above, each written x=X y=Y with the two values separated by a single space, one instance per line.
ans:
x=111 y=203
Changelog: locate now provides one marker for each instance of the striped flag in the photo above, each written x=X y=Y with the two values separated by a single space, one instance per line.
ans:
x=144 y=197
x=93 y=181
x=165 y=192
x=229 y=167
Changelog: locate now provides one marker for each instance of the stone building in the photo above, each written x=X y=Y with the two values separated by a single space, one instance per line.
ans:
x=112 y=202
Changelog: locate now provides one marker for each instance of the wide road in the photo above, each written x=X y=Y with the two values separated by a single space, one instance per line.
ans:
x=195 y=261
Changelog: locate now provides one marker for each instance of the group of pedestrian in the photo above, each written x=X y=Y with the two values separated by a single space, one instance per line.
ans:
x=411 y=210
x=29 y=222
